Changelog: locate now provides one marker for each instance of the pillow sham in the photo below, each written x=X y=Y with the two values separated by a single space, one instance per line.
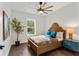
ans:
x=59 y=36
x=48 y=33
x=53 y=34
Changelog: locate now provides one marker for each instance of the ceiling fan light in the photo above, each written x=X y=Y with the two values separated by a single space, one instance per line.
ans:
x=40 y=12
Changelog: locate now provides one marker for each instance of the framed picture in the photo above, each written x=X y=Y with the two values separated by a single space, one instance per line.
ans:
x=6 y=26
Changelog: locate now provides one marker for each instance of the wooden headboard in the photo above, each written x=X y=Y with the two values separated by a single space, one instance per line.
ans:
x=55 y=27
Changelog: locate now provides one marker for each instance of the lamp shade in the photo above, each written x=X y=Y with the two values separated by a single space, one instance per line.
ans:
x=70 y=30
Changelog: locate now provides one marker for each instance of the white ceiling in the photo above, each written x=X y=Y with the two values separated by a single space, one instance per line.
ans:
x=31 y=7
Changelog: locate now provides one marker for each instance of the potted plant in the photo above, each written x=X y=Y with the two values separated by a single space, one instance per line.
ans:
x=18 y=28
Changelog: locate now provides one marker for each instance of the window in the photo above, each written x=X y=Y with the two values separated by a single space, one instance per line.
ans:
x=31 y=27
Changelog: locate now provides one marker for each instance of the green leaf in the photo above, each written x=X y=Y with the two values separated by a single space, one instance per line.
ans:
x=16 y=25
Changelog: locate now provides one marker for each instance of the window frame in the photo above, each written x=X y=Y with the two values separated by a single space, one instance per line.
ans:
x=34 y=26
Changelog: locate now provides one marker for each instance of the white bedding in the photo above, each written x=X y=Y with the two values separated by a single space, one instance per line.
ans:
x=41 y=39
x=38 y=39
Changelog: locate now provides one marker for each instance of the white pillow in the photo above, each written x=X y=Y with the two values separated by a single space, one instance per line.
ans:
x=59 y=36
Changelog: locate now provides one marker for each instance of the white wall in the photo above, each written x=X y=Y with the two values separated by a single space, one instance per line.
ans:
x=0 y=22
x=7 y=42
x=22 y=17
x=66 y=16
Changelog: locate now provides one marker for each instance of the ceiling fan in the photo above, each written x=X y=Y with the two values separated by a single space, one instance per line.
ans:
x=43 y=9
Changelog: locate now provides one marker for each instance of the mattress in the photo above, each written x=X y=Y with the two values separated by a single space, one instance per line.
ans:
x=42 y=40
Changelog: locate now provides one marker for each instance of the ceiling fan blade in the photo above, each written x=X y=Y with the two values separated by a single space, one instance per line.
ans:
x=44 y=4
x=45 y=12
x=48 y=7
x=48 y=10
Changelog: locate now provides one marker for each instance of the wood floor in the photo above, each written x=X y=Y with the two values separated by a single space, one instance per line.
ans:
x=24 y=50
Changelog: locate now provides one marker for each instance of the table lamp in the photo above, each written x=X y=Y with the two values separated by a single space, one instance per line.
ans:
x=70 y=30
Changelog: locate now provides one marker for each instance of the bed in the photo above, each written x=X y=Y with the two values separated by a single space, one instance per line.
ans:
x=43 y=48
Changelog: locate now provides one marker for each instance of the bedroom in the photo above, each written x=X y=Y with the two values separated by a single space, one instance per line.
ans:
x=64 y=14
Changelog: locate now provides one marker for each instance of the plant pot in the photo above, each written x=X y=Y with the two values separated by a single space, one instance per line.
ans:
x=17 y=43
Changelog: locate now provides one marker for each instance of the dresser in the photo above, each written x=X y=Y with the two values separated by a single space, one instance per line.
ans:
x=72 y=45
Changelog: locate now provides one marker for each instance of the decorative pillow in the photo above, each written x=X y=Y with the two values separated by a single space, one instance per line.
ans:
x=53 y=40
x=53 y=34
x=48 y=33
x=59 y=36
